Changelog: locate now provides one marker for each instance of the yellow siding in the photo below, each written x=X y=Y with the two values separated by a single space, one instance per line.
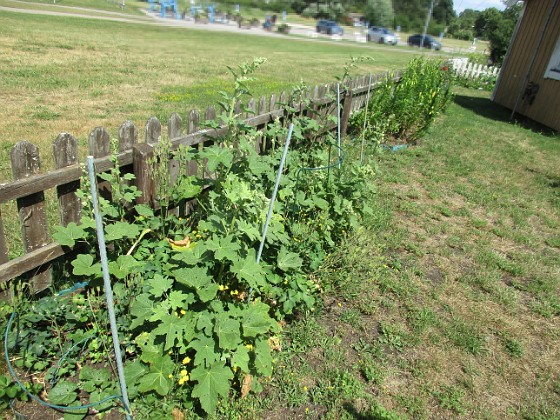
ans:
x=546 y=106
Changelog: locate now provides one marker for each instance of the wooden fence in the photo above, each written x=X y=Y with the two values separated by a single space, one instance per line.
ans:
x=29 y=184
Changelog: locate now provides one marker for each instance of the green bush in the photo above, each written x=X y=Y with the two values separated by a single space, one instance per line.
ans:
x=403 y=107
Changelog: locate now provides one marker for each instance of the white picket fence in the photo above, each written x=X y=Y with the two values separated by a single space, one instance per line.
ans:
x=463 y=67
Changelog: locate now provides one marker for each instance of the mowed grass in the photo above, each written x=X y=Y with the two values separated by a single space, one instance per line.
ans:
x=92 y=7
x=72 y=74
x=447 y=303
x=68 y=74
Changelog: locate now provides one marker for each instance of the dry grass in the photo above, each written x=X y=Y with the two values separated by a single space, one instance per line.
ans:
x=458 y=290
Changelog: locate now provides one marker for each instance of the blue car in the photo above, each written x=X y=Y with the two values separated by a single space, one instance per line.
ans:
x=329 y=27
x=429 y=42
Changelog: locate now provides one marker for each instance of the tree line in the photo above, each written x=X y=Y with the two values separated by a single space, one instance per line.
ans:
x=409 y=16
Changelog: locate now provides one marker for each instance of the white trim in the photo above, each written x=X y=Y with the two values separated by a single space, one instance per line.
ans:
x=553 y=68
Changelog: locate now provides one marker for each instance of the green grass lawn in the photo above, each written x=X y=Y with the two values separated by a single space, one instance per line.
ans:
x=67 y=74
x=87 y=7
x=72 y=74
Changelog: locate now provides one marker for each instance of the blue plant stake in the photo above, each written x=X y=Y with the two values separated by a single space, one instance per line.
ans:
x=107 y=284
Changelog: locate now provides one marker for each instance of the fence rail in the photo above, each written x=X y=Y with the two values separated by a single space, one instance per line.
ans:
x=29 y=184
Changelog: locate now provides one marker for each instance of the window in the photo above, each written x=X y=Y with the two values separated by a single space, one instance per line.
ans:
x=553 y=68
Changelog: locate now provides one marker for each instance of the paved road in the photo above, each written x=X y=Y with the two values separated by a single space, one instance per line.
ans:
x=297 y=31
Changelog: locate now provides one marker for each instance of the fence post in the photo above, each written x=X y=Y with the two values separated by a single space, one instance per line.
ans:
x=31 y=209
x=346 y=110
x=65 y=153
x=141 y=152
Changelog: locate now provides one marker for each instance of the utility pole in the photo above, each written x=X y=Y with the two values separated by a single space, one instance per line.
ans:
x=427 y=23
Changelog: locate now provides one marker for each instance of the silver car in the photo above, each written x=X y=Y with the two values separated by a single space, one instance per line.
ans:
x=382 y=35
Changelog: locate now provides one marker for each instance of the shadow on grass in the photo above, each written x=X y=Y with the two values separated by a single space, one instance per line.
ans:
x=488 y=109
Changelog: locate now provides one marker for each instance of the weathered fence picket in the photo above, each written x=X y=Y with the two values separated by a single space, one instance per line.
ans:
x=153 y=130
x=65 y=152
x=29 y=184
x=31 y=208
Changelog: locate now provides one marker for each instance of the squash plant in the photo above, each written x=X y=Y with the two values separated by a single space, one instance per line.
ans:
x=196 y=312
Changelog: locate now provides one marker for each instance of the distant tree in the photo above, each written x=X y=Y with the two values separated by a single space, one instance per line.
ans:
x=497 y=27
x=410 y=15
x=379 y=12
x=462 y=27
x=486 y=21
x=443 y=12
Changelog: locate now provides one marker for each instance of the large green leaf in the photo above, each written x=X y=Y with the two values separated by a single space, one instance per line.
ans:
x=124 y=266
x=187 y=187
x=208 y=292
x=76 y=413
x=63 y=393
x=133 y=371
x=67 y=236
x=94 y=378
x=141 y=309
x=263 y=358
x=247 y=269
x=159 y=285
x=144 y=211
x=172 y=329
x=257 y=321
x=288 y=260
x=321 y=203
x=160 y=311
x=194 y=255
x=178 y=299
x=84 y=266
x=158 y=377
x=194 y=278
x=236 y=190
x=119 y=230
x=228 y=249
x=216 y=156
x=240 y=358
x=205 y=354
x=228 y=332
x=205 y=323
x=212 y=383
x=248 y=229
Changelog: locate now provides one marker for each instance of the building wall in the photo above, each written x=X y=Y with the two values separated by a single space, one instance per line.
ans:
x=513 y=80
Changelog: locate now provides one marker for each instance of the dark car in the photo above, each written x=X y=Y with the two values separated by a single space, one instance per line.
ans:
x=429 y=42
x=329 y=27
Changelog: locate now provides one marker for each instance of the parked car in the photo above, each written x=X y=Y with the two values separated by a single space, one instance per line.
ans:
x=329 y=27
x=429 y=42
x=382 y=35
